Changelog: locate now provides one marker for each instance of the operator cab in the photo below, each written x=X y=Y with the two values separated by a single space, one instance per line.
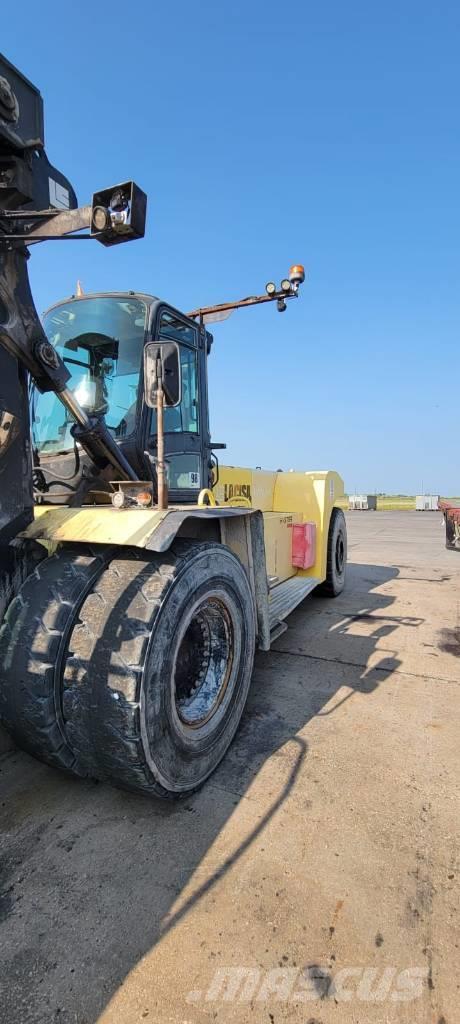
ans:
x=101 y=340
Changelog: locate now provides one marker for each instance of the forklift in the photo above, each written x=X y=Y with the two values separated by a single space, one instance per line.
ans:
x=138 y=574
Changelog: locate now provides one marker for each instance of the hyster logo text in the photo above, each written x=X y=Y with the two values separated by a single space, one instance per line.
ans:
x=237 y=491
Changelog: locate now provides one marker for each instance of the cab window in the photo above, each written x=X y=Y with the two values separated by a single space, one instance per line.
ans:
x=182 y=418
x=100 y=340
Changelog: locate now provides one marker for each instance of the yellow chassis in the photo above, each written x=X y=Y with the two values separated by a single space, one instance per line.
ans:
x=283 y=498
x=252 y=512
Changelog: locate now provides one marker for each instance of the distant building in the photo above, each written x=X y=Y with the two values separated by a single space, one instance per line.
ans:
x=362 y=502
x=426 y=502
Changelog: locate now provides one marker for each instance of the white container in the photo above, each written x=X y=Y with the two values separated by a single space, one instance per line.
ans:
x=362 y=502
x=426 y=502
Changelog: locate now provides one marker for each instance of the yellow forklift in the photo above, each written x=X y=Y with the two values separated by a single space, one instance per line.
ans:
x=138 y=574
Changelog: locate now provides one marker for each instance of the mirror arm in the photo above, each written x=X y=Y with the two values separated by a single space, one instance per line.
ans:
x=161 y=469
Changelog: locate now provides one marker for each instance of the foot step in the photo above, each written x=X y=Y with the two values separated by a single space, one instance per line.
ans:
x=286 y=596
x=277 y=630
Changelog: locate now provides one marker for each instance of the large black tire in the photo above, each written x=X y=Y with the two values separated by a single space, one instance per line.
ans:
x=159 y=667
x=336 y=556
x=33 y=639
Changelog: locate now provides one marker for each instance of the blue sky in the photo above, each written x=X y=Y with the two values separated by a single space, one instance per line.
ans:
x=267 y=134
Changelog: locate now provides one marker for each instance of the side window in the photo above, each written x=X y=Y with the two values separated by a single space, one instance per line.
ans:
x=173 y=327
x=189 y=404
x=184 y=417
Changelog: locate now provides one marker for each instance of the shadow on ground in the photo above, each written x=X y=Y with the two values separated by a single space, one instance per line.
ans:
x=91 y=875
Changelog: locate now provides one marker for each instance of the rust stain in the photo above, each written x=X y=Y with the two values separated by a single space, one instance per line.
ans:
x=335 y=916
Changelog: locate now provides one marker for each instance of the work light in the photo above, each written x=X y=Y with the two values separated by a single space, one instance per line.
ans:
x=297 y=274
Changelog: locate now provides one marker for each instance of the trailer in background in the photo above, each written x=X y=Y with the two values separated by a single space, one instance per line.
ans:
x=426 y=502
x=451 y=515
x=362 y=502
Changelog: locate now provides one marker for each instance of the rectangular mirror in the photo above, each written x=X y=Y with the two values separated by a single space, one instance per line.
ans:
x=162 y=366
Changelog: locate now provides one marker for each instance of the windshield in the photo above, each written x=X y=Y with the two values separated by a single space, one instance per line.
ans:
x=101 y=342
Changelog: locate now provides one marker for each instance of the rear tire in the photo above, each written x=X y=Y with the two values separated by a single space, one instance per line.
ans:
x=33 y=639
x=159 y=668
x=336 y=556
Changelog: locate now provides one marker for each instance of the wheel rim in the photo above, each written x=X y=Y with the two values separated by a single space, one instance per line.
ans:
x=340 y=553
x=204 y=663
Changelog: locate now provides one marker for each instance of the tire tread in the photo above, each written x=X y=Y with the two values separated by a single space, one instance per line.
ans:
x=33 y=636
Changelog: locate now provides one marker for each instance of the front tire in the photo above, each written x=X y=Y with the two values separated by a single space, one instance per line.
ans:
x=33 y=638
x=159 y=668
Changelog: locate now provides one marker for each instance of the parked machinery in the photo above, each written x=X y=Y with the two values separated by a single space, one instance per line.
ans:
x=451 y=515
x=139 y=587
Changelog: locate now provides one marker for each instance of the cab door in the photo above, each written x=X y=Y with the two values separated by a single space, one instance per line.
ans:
x=186 y=425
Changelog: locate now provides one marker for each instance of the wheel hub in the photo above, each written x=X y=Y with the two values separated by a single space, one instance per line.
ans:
x=203 y=663
x=340 y=553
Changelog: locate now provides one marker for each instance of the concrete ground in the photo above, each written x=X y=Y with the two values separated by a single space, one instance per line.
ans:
x=314 y=879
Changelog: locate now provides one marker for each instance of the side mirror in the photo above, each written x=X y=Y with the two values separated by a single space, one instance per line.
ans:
x=162 y=369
